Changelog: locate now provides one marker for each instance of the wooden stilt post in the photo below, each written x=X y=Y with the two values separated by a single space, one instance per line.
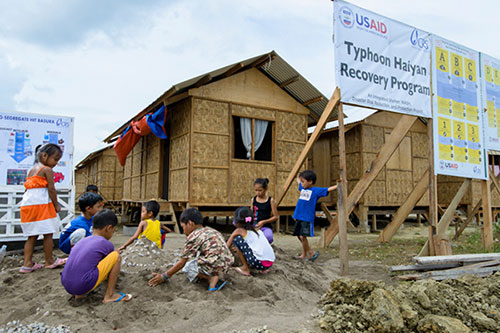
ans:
x=374 y=222
x=419 y=220
x=433 y=201
x=487 y=218
x=342 y=196
x=363 y=219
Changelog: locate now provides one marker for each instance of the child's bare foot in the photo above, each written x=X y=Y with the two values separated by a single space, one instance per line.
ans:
x=212 y=281
x=243 y=271
x=117 y=297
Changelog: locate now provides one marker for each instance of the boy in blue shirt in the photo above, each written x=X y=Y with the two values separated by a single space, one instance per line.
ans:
x=305 y=211
x=90 y=203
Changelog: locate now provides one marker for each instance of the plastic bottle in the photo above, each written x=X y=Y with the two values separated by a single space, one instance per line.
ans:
x=3 y=252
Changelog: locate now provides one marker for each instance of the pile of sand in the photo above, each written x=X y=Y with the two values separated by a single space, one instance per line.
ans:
x=282 y=300
x=422 y=306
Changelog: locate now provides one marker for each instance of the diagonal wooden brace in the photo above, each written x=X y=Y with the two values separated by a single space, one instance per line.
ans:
x=332 y=104
x=446 y=219
x=385 y=153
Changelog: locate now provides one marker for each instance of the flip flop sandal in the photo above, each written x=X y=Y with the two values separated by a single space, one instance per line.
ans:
x=315 y=256
x=241 y=272
x=124 y=297
x=35 y=267
x=59 y=262
x=218 y=286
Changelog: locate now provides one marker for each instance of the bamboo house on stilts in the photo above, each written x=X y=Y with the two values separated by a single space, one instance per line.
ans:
x=400 y=175
x=223 y=130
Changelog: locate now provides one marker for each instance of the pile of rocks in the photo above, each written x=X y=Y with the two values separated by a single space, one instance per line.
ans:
x=17 y=326
x=143 y=254
x=460 y=305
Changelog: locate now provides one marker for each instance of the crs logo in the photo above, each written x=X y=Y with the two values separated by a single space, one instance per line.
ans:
x=62 y=123
x=346 y=17
x=418 y=41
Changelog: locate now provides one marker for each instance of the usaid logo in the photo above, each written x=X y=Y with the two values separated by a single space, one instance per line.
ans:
x=346 y=17
x=418 y=41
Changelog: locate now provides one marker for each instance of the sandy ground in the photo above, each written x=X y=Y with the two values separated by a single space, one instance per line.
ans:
x=284 y=300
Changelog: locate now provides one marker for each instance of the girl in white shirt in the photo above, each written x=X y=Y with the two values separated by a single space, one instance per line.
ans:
x=251 y=245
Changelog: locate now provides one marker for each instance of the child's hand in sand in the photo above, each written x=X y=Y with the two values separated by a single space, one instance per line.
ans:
x=158 y=278
x=120 y=249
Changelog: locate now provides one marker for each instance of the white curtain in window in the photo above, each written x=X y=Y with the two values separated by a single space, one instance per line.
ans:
x=246 y=133
x=260 y=132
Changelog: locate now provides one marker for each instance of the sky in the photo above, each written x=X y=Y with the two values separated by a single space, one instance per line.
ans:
x=102 y=62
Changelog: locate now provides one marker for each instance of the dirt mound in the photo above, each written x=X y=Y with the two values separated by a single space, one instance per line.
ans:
x=461 y=305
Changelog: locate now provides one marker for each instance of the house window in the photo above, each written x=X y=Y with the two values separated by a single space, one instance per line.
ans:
x=253 y=139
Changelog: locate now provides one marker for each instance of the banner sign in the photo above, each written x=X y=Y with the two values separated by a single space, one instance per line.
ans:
x=20 y=133
x=458 y=125
x=490 y=85
x=381 y=63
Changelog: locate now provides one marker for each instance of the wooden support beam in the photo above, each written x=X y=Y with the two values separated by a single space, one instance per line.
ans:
x=312 y=100
x=233 y=70
x=363 y=219
x=487 y=231
x=289 y=81
x=342 y=216
x=433 y=198
x=332 y=104
x=330 y=218
x=343 y=247
x=262 y=60
x=204 y=80
x=444 y=223
x=385 y=153
x=405 y=209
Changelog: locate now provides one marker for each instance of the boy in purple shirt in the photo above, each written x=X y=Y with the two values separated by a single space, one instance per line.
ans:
x=93 y=259
x=305 y=211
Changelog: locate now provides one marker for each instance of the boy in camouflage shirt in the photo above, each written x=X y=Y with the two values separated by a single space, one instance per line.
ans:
x=205 y=248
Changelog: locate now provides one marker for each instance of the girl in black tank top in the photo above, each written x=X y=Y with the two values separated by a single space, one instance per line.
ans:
x=264 y=208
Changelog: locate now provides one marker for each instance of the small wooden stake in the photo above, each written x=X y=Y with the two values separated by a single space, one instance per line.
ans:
x=487 y=220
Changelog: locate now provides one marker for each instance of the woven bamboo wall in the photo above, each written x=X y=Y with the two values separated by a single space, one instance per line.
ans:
x=243 y=174
x=103 y=170
x=210 y=152
x=291 y=138
x=141 y=176
x=80 y=182
x=179 y=151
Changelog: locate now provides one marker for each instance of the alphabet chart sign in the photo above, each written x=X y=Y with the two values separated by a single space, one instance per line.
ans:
x=459 y=148
x=490 y=85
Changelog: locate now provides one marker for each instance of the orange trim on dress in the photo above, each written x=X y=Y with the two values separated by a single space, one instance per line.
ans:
x=36 y=213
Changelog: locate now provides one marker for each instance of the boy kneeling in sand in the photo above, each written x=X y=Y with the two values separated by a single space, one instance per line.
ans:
x=207 y=250
x=93 y=259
